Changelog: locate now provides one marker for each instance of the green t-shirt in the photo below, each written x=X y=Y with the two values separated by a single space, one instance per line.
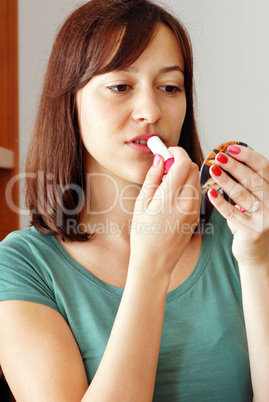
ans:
x=203 y=353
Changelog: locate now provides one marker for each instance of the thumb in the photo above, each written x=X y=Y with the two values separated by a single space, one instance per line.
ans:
x=152 y=181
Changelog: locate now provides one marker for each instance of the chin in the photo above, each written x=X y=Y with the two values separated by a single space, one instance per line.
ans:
x=136 y=177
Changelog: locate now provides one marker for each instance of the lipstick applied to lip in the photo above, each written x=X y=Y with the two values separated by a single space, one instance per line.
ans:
x=156 y=146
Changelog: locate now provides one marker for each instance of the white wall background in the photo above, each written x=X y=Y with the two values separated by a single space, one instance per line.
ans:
x=230 y=40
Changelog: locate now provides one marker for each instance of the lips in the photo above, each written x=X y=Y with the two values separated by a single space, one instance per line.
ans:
x=142 y=142
x=139 y=143
x=139 y=146
x=144 y=137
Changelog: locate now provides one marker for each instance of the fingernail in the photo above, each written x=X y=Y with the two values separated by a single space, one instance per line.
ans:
x=216 y=170
x=156 y=160
x=222 y=158
x=233 y=149
x=214 y=193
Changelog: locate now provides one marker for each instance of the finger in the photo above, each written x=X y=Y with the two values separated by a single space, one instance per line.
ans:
x=151 y=184
x=238 y=193
x=247 y=226
x=234 y=216
x=253 y=159
x=250 y=179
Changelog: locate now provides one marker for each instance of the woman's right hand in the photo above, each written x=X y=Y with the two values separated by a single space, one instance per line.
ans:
x=166 y=213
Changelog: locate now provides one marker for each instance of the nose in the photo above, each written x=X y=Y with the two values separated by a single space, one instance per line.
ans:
x=146 y=107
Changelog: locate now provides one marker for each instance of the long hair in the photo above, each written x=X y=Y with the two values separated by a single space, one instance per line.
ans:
x=98 y=37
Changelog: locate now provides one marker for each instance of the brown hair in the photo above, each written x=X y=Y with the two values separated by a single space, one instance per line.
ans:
x=82 y=48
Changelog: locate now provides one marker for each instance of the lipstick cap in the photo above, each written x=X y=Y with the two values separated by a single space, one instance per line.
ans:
x=168 y=163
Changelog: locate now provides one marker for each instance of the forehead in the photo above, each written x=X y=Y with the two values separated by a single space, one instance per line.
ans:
x=123 y=50
x=164 y=48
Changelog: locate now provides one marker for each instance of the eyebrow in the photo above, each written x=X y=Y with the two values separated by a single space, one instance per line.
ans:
x=172 y=68
x=164 y=70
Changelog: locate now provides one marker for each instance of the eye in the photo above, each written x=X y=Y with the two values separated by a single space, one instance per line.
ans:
x=119 y=88
x=170 y=89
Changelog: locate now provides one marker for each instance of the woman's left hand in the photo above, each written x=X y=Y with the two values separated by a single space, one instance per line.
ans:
x=249 y=218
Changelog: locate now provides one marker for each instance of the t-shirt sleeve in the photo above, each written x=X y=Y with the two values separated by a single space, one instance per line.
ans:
x=21 y=276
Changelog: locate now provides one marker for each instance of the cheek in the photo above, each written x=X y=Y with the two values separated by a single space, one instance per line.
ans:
x=92 y=123
x=99 y=126
x=101 y=120
x=177 y=114
x=183 y=109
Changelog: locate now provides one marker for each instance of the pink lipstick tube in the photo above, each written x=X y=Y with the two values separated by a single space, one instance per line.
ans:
x=156 y=146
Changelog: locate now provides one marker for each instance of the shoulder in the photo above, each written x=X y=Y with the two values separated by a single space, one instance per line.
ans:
x=22 y=235
x=23 y=251
x=22 y=241
x=25 y=272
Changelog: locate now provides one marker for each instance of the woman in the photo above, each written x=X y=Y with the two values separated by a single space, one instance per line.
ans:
x=124 y=287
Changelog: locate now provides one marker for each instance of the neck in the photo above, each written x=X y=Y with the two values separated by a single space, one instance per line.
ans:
x=109 y=206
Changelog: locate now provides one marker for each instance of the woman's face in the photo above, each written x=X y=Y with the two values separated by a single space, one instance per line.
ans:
x=122 y=107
